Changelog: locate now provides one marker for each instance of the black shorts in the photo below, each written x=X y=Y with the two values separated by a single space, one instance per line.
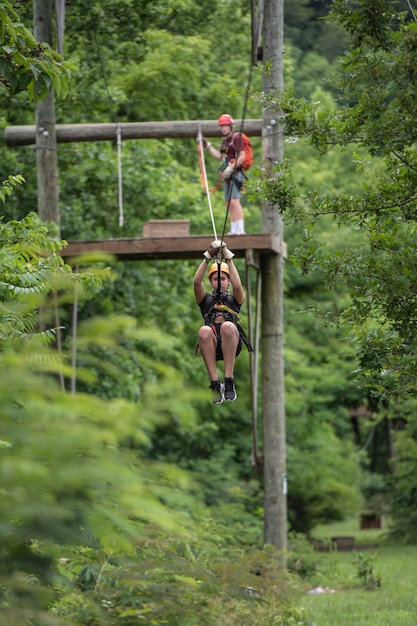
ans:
x=219 y=352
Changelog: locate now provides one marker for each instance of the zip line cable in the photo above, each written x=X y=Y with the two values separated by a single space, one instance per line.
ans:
x=100 y=58
x=257 y=20
x=254 y=333
x=203 y=165
x=411 y=10
x=245 y=107
x=207 y=190
x=112 y=116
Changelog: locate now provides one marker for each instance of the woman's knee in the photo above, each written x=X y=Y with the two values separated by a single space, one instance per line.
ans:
x=205 y=333
x=228 y=329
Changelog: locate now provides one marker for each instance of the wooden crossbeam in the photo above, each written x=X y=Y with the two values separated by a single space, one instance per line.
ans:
x=173 y=247
x=67 y=133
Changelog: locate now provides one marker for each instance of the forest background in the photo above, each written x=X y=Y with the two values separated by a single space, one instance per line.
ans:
x=142 y=403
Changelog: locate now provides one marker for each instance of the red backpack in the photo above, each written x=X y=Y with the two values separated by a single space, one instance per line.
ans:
x=246 y=145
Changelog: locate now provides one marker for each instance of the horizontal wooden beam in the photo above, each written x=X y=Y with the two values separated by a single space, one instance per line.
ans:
x=67 y=133
x=171 y=247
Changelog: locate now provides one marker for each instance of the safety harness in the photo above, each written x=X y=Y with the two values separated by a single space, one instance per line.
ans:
x=229 y=315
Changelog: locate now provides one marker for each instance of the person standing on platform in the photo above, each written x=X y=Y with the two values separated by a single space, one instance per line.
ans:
x=232 y=155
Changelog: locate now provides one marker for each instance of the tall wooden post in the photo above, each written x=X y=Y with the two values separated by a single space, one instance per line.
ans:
x=273 y=401
x=46 y=145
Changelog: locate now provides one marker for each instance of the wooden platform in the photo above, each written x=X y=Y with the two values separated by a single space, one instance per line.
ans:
x=142 y=249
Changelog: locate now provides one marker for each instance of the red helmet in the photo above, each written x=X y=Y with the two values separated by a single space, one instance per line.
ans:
x=226 y=119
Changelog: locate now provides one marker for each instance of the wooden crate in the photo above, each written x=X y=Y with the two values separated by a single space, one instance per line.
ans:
x=166 y=228
x=343 y=543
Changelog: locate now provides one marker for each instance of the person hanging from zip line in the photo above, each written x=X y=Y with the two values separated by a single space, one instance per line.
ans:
x=232 y=156
x=220 y=338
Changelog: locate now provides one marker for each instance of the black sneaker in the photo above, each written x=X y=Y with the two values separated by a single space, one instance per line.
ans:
x=216 y=392
x=229 y=389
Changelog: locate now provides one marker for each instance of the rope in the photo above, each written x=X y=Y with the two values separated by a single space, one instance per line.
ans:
x=207 y=190
x=74 y=340
x=119 y=170
x=112 y=108
x=204 y=174
x=58 y=340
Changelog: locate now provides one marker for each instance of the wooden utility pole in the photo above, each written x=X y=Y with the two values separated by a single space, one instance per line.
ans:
x=273 y=401
x=45 y=134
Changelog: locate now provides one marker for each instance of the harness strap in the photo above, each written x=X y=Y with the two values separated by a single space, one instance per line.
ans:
x=223 y=307
x=244 y=338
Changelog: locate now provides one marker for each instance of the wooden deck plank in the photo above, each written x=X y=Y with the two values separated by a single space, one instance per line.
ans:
x=171 y=247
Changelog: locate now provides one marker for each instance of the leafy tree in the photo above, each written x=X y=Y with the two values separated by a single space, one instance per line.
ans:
x=25 y=64
x=28 y=69
x=402 y=484
x=308 y=30
x=381 y=58
x=376 y=83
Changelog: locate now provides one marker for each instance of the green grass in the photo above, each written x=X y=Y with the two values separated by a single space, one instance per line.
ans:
x=350 y=527
x=393 y=603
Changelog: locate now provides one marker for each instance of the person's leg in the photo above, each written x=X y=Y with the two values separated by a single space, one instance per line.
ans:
x=229 y=338
x=208 y=348
x=235 y=210
x=208 y=345
x=232 y=198
x=229 y=341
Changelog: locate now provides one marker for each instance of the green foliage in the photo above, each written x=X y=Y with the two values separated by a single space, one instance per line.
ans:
x=364 y=562
x=8 y=185
x=375 y=492
x=390 y=605
x=380 y=57
x=182 y=582
x=373 y=119
x=302 y=559
x=306 y=27
x=31 y=269
x=277 y=187
x=323 y=482
x=167 y=56
x=117 y=358
x=90 y=531
x=403 y=483
x=121 y=530
x=25 y=64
